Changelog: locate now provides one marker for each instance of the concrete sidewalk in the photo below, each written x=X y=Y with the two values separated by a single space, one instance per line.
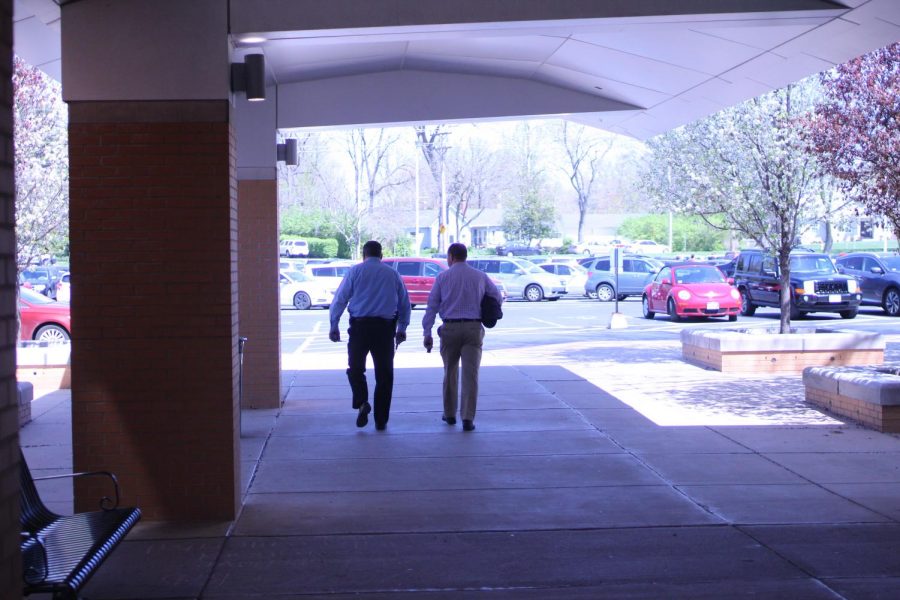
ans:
x=596 y=471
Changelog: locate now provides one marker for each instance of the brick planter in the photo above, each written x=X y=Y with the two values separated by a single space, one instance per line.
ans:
x=868 y=395
x=46 y=366
x=767 y=351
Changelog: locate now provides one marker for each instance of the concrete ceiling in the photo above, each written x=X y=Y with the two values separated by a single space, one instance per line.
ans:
x=635 y=68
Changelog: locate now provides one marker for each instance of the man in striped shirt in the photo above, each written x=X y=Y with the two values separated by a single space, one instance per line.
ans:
x=456 y=296
x=379 y=314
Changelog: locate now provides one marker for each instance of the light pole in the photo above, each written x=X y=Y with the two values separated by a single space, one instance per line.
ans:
x=418 y=244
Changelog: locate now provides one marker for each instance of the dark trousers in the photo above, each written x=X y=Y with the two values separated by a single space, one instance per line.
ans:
x=375 y=336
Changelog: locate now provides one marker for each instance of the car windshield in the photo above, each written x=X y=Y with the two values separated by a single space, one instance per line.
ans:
x=36 y=276
x=811 y=263
x=528 y=267
x=33 y=297
x=296 y=276
x=698 y=275
x=892 y=263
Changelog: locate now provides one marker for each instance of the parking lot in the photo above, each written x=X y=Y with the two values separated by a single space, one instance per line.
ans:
x=527 y=324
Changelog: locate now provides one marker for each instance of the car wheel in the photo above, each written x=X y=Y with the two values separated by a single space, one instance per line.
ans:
x=732 y=318
x=747 y=307
x=302 y=301
x=891 y=303
x=645 y=306
x=605 y=292
x=51 y=333
x=534 y=293
x=849 y=314
x=673 y=315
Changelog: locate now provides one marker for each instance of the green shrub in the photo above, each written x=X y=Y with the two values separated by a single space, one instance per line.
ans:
x=323 y=247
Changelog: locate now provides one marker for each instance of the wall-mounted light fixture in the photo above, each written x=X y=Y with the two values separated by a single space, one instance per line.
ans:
x=287 y=152
x=250 y=77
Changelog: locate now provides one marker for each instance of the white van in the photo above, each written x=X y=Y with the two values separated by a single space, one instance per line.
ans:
x=295 y=248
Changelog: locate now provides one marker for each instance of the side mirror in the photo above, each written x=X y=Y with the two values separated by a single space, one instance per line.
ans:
x=840 y=269
x=666 y=282
x=730 y=281
x=877 y=270
x=519 y=272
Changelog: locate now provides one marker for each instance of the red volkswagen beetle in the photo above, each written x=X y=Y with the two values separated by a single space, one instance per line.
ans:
x=43 y=319
x=691 y=290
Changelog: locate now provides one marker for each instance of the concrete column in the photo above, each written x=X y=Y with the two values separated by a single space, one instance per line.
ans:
x=153 y=231
x=259 y=316
x=10 y=559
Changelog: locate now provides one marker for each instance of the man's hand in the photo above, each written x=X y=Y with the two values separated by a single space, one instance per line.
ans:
x=399 y=338
x=428 y=342
x=334 y=335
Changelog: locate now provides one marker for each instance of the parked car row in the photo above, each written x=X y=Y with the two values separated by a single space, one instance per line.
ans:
x=818 y=283
x=680 y=289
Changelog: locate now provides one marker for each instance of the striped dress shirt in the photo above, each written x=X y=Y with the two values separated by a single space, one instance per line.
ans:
x=457 y=294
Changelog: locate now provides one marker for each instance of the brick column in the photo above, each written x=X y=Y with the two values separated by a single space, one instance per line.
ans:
x=10 y=558
x=258 y=275
x=154 y=314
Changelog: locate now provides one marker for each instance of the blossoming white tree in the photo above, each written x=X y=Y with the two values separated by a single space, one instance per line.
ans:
x=747 y=165
x=41 y=165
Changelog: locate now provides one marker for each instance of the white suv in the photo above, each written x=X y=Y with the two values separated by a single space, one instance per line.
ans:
x=295 y=248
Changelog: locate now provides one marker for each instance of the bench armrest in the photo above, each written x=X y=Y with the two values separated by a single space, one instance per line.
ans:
x=106 y=503
x=34 y=559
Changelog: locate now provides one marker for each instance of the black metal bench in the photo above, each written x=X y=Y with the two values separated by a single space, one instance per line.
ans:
x=60 y=553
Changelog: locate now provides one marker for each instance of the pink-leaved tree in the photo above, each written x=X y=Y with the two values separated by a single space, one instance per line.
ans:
x=855 y=131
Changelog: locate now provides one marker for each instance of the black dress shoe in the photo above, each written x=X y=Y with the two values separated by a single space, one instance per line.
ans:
x=448 y=420
x=468 y=425
x=363 y=417
x=380 y=426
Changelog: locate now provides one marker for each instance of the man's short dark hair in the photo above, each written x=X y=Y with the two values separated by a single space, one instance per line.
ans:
x=372 y=248
x=457 y=251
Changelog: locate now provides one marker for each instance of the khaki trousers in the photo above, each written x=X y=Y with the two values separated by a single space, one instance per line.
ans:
x=461 y=342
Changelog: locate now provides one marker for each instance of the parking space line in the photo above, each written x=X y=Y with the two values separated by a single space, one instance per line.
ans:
x=309 y=340
x=550 y=323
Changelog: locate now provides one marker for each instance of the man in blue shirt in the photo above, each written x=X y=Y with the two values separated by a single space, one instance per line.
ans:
x=379 y=314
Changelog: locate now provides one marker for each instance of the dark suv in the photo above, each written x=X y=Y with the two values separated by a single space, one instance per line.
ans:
x=879 y=278
x=816 y=285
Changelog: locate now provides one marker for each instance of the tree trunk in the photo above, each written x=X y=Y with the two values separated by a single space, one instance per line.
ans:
x=581 y=212
x=829 y=237
x=784 y=268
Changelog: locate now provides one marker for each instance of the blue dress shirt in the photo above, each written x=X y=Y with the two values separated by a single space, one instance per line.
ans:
x=372 y=289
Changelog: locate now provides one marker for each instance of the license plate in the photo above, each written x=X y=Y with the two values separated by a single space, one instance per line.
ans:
x=712 y=306
x=834 y=298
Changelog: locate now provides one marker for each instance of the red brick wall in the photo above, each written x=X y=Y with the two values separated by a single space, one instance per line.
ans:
x=10 y=559
x=154 y=310
x=260 y=320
